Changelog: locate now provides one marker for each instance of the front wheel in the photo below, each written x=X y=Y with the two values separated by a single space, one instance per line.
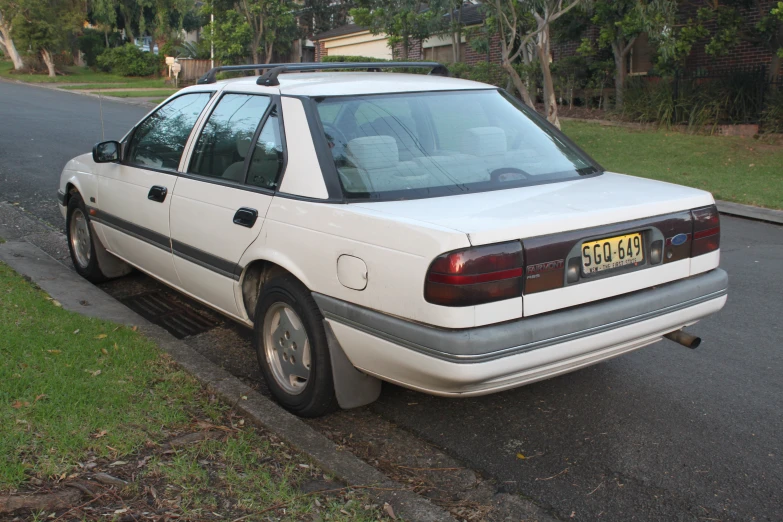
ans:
x=81 y=242
x=292 y=349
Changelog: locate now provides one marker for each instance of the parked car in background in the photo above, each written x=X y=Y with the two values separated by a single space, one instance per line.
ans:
x=427 y=231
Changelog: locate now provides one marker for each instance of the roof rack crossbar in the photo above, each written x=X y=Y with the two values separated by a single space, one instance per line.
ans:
x=273 y=70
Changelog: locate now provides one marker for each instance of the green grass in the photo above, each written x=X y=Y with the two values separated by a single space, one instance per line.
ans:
x=76 y=390
x=141 y=94
x=742 y=170
x=141 y=84
x=73 y=74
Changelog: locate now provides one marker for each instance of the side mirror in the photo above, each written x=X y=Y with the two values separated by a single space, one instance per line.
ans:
x=106 y=152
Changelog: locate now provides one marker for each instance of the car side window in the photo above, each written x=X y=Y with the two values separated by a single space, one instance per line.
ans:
x=227 y=137
x=267 y=161
x=159 y=140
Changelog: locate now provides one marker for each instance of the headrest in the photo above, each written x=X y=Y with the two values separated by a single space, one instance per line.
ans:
x=484 y=141
x=243 y=144
x=373 y=152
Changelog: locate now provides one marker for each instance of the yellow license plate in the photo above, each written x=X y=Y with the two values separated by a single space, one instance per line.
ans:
x=612 y=252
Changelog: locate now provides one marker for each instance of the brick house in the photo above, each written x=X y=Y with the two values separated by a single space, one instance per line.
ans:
x=355 y=40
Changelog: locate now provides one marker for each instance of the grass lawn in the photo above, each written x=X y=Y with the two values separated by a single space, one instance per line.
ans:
x=73 y=74
x=80 y=396
x=140 y=84
x=165 y=93
x=742 y=170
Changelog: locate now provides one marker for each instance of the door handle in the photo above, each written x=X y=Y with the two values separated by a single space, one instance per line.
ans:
x=158 y=193
x=246 y=217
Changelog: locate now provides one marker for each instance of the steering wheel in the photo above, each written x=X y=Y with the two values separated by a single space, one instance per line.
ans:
x=335 y=134
x=504 y=174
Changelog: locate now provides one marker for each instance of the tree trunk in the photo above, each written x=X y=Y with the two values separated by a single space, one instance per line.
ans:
x=774 y=67
x=47 y=58
x=619 y=72
x=518 y=83
x=550 y=102
x=8 y=45
x=269 y=53
x=106 y=38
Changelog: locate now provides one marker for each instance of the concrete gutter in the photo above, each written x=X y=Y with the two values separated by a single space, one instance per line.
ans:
x=78 y=295
x=750 y=212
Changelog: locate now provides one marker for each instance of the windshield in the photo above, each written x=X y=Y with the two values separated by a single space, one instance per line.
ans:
x=414 y=145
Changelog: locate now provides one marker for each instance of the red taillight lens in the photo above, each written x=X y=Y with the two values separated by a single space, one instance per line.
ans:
x=706 y=230
x=476 y=275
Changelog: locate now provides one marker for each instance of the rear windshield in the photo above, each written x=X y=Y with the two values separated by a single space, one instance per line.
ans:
x=414 y=145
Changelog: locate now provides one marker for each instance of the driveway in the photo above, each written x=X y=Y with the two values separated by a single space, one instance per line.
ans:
x=663 y=433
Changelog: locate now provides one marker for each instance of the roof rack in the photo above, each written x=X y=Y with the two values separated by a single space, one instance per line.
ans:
x=269 y=78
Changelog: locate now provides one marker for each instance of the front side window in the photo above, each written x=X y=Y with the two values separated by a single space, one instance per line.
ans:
x=226 y=139
x=413 y=145
x=159 y=140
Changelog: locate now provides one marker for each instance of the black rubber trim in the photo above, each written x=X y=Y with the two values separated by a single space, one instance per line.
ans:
x=204 y=259
x=148 y=236
x=194 y=255
x=486 y=343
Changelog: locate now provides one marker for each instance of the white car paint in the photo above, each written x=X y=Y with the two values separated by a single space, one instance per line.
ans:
x=302 y=231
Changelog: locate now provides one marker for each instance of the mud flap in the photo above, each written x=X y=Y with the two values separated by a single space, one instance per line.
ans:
x=110 y=265
x=352 y=387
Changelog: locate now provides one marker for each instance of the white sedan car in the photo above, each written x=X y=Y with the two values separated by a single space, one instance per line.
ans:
x=423 y=230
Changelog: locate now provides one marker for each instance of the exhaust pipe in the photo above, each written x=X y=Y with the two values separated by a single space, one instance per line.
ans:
x=684 y=338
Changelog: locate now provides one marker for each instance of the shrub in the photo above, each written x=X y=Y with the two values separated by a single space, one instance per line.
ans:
x=484 y=72
x=129 y=60
x=772 y=118
x=91 y=44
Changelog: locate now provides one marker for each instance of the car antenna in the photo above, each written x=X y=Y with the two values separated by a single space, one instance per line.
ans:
x=100 y=106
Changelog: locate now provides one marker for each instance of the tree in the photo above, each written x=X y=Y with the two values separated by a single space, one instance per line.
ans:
x=46 y=25
x=321 y=15
x=447 y=20
x=619 y=23
x=6 y=41
x=103 y=13
x=733 y=26
x=402 y=21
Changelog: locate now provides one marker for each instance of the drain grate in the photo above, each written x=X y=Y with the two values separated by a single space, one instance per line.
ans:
x=159 y=309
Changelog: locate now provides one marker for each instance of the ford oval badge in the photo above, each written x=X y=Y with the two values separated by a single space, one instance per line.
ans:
x=679 y=239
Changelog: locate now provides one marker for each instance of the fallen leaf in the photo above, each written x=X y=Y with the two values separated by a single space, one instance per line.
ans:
x=55 y=352
x=520 y=456
x=117 y=463
x=40 y=397
x=305 y=466
x=389 y=511
x=100 y=434
x=120 y=511
x=135 y=328
x=76 y=331
x=93 y=373
x=101 y=336
x=55 y=302
x=104 y=351
x=244 y=397
x=18 y=404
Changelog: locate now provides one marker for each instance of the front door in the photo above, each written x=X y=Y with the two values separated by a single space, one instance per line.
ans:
x=134 y=196
x=219 y=204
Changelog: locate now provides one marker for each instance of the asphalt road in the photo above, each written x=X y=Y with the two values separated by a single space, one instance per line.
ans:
x=664 y=433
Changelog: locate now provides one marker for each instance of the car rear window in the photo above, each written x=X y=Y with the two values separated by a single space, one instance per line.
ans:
x=414 y=145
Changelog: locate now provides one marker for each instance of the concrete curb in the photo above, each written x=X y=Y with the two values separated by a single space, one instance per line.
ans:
x=78 y=295
x=750 y=212
x=53 y=87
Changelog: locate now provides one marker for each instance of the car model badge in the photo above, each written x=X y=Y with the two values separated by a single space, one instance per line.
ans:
x=679 y=239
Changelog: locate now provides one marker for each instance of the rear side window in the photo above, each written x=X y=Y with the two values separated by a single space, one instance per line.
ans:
x=227 y=137
x=267 y=160
x=159 y=140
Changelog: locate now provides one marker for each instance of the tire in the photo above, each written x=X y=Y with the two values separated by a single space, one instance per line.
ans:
x=298 y=375
x=81 y=242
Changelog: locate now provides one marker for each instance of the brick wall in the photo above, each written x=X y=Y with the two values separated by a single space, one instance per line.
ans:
x=415 y=51
x=744 y=55
x=494 y=56
x=320 y=50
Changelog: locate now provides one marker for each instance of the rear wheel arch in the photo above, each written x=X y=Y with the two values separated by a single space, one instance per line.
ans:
x=254 y=276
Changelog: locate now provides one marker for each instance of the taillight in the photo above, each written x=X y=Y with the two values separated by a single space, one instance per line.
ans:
x=706 y=230
x=476 y=275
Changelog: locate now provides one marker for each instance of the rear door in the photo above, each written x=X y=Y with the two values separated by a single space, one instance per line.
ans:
x=219 y=204
x=134 y=196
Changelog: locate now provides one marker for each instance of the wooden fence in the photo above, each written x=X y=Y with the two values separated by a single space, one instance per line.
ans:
x=192 y=70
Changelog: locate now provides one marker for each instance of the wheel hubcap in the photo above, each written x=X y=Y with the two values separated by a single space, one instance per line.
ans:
x=287 y=348
x=81 y=243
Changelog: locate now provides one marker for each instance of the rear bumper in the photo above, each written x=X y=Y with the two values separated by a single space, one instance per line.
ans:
x=483 y=360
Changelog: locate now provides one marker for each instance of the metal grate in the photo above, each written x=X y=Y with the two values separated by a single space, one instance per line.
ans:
x=159 y=309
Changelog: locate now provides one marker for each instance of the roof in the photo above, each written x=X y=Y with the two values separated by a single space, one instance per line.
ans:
x=356 y=83
x=340 y=31
x=471 y=15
